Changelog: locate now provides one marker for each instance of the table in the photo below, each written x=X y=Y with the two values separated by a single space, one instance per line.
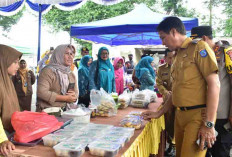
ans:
x=143 y=141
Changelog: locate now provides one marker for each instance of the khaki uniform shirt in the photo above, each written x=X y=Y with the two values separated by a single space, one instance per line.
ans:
x=192 y=64
x=163 y=80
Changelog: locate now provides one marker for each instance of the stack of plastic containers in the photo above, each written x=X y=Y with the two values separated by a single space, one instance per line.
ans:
x=100 y=139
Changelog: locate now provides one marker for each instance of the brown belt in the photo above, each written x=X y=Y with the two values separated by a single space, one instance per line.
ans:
x=191 y=107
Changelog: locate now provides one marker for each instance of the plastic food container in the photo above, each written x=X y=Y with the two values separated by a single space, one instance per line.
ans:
x=88 y=134
x=78 y=115
x=129 y=131
x=53 y=139
x=64 y=132
x=76 y=126
x=104 y=149
x=81 y=140
x=67 y=149
x=113 y=139
x=101 y=126
x=119 y=134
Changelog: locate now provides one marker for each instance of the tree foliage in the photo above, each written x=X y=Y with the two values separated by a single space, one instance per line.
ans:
x=228 y=22
x=175 y=7
x=8 y=21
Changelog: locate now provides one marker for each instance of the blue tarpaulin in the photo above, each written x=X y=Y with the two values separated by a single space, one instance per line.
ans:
x=137 y=27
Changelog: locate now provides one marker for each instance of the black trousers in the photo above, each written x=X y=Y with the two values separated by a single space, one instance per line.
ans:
x=222 y=146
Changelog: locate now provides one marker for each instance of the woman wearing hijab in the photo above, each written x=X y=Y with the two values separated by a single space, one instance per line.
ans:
x=54 y=80
x=83 y=81
x=118 y=72
x=9 y=64
x=101 y=73
x=23 y=81
x=145 y=73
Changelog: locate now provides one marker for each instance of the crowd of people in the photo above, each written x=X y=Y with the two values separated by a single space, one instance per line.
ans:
x=190 y=80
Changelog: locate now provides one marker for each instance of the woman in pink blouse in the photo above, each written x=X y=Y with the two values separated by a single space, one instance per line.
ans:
x=118 y=72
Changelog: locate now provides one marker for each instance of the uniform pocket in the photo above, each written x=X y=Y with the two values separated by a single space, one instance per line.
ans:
x=190 y=70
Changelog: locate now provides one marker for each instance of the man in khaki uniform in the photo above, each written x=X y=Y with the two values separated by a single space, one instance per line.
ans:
x=163 y=83
x=222 y=146
x=195 y=89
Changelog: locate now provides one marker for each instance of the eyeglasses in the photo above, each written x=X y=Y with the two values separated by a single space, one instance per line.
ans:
x=104 y=54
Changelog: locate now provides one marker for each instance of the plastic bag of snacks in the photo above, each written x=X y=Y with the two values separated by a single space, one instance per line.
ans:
x=107 y=105
x=124 y=99
x=152 y=95
x=131 y=121
x=140 y=99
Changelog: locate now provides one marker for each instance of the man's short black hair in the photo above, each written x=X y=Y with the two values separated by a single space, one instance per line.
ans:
x=130 y=55
x=199 y=31
x=22 y=61
x=171 y=22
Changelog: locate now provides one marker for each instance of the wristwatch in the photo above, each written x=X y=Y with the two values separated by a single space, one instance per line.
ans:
x=209 y=124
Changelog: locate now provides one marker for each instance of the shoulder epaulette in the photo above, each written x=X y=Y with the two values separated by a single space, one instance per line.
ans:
x=195 y=41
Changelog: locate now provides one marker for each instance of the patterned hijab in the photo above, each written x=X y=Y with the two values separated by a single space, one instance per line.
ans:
x=58 y=66
x=84 y=64
x=143 y=66
x=8 y=97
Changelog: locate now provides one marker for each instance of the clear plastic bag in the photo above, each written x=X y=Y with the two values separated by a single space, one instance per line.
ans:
x=140 y=99
x=107 y=105
x=95 y=97
x=80 y=115
x=132 y=121
x=152 y=95
x=124 y=99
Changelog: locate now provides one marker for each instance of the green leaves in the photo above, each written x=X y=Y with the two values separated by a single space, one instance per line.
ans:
x=7 y=21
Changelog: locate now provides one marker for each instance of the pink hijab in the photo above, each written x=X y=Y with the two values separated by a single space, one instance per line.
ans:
x=118 y=75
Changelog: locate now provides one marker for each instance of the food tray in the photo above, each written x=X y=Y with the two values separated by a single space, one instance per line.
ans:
x=29 y=144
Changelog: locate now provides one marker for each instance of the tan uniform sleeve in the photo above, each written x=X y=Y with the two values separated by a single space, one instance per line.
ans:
x=45 y=80
x=159 y=83
x=206 y=59
x=2 y=133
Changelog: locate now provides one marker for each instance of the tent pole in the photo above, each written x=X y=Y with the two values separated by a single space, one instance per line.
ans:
x=39 y=33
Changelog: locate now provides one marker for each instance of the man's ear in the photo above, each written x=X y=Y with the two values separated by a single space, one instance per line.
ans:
x=204 y=38
x=173 y=32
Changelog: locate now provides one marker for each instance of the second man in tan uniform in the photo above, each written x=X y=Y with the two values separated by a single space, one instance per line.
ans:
x=164 y=85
